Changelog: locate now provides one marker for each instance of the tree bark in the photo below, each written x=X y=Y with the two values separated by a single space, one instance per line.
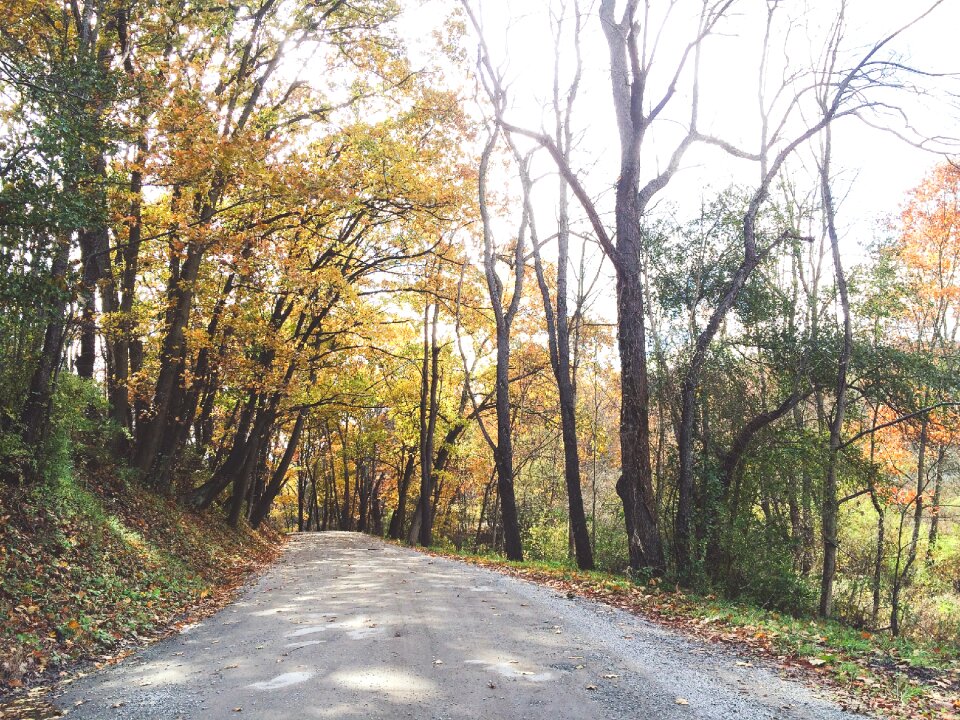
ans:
x=35 y=416
x=558 y=340
x=933 y=535
x=395 y=530
x=830 y=507
x=428 y=422
x=180 y=298
x=902 y=580
x=261 y=510
x=503 y=452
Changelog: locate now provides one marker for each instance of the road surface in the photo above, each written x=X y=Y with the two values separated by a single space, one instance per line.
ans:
x=346 y=626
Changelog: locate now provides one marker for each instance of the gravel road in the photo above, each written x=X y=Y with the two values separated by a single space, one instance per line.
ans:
x=346 y=626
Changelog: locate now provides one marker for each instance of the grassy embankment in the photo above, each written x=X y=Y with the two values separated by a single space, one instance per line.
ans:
x=89 y=569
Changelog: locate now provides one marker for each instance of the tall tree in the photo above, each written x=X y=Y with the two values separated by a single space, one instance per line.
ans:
x=503 y=319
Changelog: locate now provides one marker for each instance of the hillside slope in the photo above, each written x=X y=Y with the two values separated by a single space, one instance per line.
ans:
x=90 y=567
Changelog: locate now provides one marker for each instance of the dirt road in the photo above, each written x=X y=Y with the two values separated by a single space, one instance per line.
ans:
x=345 y=626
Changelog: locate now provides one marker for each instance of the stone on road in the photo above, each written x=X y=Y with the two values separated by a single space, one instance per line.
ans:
x=347 y=626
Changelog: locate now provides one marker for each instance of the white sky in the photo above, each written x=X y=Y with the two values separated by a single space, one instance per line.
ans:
x=874 y=168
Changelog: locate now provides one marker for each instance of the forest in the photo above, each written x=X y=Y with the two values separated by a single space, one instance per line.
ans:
x=610 y=304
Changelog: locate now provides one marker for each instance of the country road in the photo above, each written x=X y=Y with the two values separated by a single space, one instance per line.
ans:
x=346 y=626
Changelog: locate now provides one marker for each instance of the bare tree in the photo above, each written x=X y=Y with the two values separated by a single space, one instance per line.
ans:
x=840 y=93
x=633 y=47
x=830 y=506
x=503 y=317
x=557 y=318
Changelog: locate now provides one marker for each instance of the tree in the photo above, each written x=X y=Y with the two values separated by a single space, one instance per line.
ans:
x=557 y=318
x=504 y=313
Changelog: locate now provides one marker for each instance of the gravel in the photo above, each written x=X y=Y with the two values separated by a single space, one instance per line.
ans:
x=346 y=626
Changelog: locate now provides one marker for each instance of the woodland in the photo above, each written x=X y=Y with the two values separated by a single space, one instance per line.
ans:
x=313 y=265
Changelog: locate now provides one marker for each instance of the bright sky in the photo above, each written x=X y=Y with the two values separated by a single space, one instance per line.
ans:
x=875 y=169
x=518 y=32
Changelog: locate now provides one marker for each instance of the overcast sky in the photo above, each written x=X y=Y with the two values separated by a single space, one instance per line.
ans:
x=518 y=33
x=874 y=169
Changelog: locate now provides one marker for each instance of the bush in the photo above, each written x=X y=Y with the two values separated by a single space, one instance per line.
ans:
x=547 y=538
x=763 y=574
x=14 y=457
x=935 y=618
x=610 y=549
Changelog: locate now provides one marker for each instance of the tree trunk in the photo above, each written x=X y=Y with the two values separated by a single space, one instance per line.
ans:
x=346 y=513
x=302 y=484
x=933 y=534
x=87 y=297
x=35 y=416
x=484 y=506
x=503 y=452
x=876 y=581
x=503 y=456
x=395 y=530
x=413 y=534
x=685 y=552
x=203 y=496
x=262 y=507
x=635 y=485
x=830 y=508
x=180 y=298
x=119 y=344
x=902 y=582
x=242 y=481
x=558 y=339
x=428 y=422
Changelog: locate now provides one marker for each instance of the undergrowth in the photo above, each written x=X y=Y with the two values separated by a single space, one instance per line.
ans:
x=87 y=566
